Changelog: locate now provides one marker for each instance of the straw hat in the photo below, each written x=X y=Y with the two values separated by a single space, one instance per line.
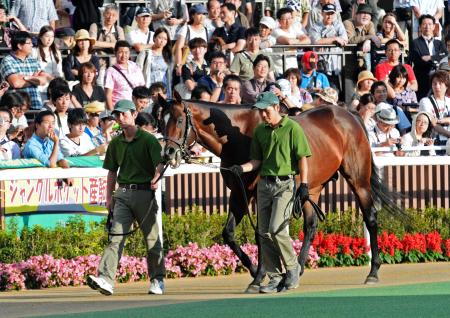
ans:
x=329 y=95
x=364 y=75
x=94 y=107
x=388 y=116
x=84 y=35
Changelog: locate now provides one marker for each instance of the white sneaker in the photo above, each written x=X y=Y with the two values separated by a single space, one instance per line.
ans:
x=156 y=287
x=100 y=284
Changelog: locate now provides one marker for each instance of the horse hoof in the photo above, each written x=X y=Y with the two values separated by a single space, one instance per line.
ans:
x=302 y=270
x=252 y=289
x=370 y=280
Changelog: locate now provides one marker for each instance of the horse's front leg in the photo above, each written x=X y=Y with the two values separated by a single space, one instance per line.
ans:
x=228 y=235
x=370 y=219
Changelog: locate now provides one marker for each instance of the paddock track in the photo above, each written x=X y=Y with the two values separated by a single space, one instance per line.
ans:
x=223 y=296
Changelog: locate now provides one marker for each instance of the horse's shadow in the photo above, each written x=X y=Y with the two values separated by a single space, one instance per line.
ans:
x=236 y=147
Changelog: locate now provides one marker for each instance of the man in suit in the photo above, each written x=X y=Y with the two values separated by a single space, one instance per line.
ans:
x=426 y=54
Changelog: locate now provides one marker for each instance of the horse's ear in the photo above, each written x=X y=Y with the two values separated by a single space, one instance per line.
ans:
x=176 y=96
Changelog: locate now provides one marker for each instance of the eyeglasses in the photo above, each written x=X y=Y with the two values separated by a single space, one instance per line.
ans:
x=29 y=42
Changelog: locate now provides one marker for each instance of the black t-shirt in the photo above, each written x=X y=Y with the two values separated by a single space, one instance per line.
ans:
x=98 y=94
x=235 y=33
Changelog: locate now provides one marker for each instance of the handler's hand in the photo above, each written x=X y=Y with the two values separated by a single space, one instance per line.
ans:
x=237 y=169
x=302 y=192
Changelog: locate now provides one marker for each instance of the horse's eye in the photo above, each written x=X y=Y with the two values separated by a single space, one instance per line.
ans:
x=179 y=122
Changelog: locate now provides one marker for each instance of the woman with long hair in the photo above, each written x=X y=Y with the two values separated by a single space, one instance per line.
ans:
x=398 y=82
x=81 y=53
x=87 y=90
x=391 y=30
x=49 y=57
x=195 y=28
x=157 y=63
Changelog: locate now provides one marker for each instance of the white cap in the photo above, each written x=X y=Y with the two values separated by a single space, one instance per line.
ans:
x=268 y=22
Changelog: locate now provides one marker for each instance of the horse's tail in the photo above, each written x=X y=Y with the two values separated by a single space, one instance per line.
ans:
x=383 y=196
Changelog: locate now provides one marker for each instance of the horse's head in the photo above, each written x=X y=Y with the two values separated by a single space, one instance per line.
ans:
x=177 y=131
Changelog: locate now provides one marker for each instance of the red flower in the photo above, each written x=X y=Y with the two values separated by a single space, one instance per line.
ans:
x=434 y=242
x=388 y=243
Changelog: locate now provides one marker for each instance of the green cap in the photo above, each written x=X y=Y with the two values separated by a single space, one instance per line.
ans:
x=123 y=105
x=266 y=99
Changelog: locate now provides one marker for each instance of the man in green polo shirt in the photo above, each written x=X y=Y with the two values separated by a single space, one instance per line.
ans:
x=134 y=163
x=279 y=149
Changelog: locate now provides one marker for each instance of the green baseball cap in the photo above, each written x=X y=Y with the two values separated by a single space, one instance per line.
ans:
x=266 y=99
x=123 y=105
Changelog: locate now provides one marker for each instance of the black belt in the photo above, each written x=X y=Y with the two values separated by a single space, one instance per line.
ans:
x=136 y=186
x=276 y=178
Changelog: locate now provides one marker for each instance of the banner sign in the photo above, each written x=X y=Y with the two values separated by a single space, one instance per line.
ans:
x=53 y=195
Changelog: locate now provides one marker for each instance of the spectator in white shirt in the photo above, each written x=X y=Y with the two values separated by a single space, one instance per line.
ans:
x=141 y=38
x=8 y=149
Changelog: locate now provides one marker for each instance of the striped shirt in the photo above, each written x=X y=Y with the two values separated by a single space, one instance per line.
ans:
x=13 y=65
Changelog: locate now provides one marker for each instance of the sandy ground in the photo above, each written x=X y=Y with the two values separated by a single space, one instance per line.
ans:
x=30 y=303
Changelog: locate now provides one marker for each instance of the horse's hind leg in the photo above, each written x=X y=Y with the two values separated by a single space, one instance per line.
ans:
x=309 y=229
x=364 y=197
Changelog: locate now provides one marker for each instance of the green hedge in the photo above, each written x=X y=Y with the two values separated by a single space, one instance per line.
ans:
x=78 y=238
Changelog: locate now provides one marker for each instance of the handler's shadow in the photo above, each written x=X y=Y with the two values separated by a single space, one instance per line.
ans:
x=236 y=148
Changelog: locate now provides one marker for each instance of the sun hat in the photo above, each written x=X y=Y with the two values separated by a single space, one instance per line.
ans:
x=198 y=8
x=94 y=107
x=123 y=105
x=83 y=34
x=268 y=22
x=365 y=75
x=266 y=99
x=310 y=59
x=329 y=7
x=364 y=8
x=381 y=106
x=330 y=95
x=143 y=11
x=388 y=116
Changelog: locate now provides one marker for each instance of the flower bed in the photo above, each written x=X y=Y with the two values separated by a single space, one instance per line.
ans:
x=191 y=260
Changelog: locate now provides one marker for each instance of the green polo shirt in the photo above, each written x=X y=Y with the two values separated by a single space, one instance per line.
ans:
x=136 y=159
x=280 y=148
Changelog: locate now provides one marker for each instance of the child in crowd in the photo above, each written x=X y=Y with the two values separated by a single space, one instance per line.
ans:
x=141 y=99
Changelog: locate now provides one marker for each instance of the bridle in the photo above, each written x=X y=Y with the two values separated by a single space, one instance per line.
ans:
x=182 y=150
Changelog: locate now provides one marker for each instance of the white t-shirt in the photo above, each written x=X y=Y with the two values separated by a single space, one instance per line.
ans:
x=203 y=33
x=137 y=36
x=70 y=149
x=291 y=60
x=61 y=126
x=376 y=136
x=22 y=121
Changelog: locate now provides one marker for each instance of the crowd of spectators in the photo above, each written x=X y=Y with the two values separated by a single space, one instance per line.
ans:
x=67 y=78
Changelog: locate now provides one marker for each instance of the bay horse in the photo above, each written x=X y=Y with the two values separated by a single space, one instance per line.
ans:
x=338 y=142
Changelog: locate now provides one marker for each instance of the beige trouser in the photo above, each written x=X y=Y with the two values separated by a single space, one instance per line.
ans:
x=273 y=210
x=130 y=205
